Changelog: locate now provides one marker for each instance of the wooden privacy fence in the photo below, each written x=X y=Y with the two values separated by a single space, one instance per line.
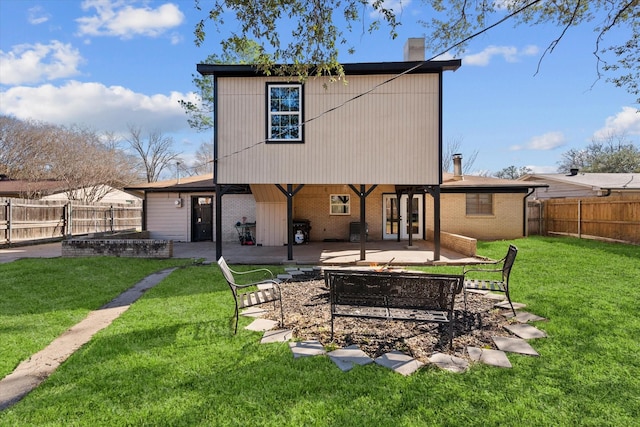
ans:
x=33 y=220
x=613 y=217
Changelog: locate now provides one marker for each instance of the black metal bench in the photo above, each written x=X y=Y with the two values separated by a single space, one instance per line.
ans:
x=420 y=297
x=267 y=290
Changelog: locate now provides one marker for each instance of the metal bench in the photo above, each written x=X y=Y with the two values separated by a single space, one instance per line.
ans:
x=419 y=297
x=488 y=279
x=267 y=290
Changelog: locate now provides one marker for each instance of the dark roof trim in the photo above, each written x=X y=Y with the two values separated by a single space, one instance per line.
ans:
x=235 y=189
x=478 y=189
x=362 y=68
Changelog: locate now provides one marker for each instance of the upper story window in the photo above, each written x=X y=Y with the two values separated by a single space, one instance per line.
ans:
x=284 y=116
x=479 y=204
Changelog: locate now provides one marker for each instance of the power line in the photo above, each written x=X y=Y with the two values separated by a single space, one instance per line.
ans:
x=391 y=79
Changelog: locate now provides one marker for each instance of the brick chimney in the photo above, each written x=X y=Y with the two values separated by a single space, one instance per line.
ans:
x=457 y=167
x=414 y=49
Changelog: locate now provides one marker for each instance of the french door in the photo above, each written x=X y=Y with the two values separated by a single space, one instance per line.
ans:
x=402 y=217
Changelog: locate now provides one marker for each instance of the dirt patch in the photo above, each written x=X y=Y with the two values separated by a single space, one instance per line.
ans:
x=307 y=313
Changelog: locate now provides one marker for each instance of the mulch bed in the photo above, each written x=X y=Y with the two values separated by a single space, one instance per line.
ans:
x=307 y=313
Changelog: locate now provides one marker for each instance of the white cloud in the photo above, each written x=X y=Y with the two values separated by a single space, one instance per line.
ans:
x=118 y=18
x=36 y=15
x=548 y=141
x=397 y=6
x=508 y=53
x=543 y=169
x=34 y=63
x=100 y=107
x=626 y=122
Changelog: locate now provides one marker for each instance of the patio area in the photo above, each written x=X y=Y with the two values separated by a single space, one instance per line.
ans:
x=326 y=253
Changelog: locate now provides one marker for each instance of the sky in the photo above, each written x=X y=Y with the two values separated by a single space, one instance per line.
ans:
x=109 y=64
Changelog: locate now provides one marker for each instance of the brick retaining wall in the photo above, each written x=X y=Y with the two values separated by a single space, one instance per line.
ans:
x=127 y=248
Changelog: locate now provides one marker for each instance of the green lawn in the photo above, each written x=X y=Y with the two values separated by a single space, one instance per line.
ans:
x=172 y=359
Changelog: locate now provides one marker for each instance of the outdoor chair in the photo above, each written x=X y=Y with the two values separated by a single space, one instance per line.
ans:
x=491 y=279
x=267 y=290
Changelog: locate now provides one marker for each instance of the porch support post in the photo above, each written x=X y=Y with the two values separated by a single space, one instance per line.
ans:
x=410 y=215
x=398 y=199
x=289 y=193
x=363 y=193
x=434 y=190
x=218 y=189
x=436 y=223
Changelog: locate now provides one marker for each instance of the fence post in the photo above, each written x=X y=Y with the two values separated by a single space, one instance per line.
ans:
x=111 y=221
x=579 y=218
x=9 y=220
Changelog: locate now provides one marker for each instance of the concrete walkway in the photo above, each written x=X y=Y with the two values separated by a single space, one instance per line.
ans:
x=32 y=372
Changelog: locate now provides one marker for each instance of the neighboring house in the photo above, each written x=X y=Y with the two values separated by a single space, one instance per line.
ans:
x=57 y=190
x=183 y=210
x=579 y=184
x=343 y=153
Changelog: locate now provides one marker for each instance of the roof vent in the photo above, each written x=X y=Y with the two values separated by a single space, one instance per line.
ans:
x=573 y=171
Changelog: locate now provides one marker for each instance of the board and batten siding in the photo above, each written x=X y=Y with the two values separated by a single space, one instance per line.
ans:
x=166 y=221
x=389 y=136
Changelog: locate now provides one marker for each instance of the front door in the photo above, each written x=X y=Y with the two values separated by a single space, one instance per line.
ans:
x=202 y=219
x=403 y=217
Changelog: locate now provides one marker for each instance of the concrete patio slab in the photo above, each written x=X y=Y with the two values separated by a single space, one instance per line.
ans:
x=306 y=348
x=489 y=357
x=261 y=325
x=525 y=331
x=280 y=335
x=514 y=345
x=497 y=297
x=449 y=363
x=399 y=362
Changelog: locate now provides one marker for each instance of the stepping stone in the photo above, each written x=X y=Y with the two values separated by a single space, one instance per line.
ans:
x=514 y=345
x=347 y=357
x=526 y=332
x=279 y=335
x=489 y=357
x=505 y=304
x=306 y=348
x=524 y=317
x=399 y=362
x=448 y=362
x=261 y=325
x=254 y=312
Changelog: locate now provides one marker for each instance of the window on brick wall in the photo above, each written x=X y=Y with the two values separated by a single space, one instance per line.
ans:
x=479 y=204
x=339 y=204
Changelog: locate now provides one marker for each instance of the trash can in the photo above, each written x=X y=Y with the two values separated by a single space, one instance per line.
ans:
x=354 y=231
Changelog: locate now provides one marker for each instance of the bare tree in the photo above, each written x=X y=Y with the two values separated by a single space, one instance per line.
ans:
x=204 y=159
x=154 y=152
x=513 y=172
x=614 y=153
x=454 y=146
x=77 y=157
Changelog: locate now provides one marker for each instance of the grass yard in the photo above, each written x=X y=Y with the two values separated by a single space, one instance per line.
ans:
x=172 y=359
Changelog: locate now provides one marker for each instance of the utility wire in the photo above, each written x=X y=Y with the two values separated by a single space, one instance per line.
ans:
x=391 y=79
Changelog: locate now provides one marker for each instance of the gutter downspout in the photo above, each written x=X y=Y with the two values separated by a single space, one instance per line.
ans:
x=524 y=212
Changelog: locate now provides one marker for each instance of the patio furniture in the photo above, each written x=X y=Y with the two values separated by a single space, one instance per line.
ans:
x=419 y=297
x=267 y=290
x=491 y=279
